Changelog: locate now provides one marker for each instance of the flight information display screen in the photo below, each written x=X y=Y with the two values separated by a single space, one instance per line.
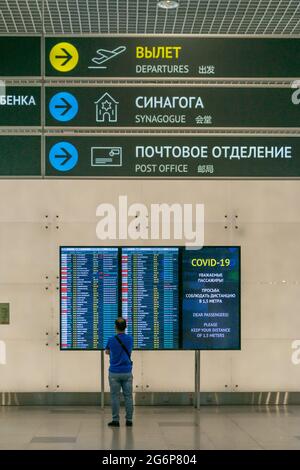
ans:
x=88 y=296
x=150 y=296
x=211 y=298
x=171 y=297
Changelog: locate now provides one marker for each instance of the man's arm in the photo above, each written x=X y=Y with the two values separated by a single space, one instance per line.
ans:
x=107 y=349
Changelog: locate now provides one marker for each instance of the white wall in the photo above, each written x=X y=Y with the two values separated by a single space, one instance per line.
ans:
x=269 y=233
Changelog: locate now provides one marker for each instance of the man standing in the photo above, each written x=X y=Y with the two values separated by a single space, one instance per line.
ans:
x=119 y=348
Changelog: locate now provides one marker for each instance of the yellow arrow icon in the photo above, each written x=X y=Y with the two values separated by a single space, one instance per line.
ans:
x=64 y=57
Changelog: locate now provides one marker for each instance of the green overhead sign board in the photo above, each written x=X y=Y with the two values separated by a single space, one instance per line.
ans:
x=150 y=107
x=102 y=107
x=130 y=107
x=42 y=106
x=147 y=57
x=170 y=57
x=20 y=56
x=20 y=155
x=20 y=106
x=4 y=313
x=172 y=156
x=100 y=156
x=163 y=106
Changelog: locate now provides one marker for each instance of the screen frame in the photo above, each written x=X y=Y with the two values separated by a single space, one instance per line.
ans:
x=61 y=247
x=181 y=249
x=153 y=247
x=239 y=348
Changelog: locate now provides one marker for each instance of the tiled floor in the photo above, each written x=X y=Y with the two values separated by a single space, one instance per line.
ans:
x=154 y=428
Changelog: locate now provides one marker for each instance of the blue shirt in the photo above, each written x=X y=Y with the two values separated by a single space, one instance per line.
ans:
x=119 y=360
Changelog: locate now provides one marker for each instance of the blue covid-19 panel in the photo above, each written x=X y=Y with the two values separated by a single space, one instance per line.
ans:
x=88 y=296
x=211 y=298
x=150 y=296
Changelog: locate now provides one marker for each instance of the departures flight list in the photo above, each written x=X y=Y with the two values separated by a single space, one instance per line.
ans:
x=89 y=296
x=150 y=296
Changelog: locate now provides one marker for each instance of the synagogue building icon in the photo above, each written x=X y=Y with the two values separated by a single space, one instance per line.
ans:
x=106 y=109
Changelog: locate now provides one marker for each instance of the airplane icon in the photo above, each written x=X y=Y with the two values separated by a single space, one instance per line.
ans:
x=104 y=56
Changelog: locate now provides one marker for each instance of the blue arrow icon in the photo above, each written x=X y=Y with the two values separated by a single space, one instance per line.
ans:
x=63 y=106
x=63 y=156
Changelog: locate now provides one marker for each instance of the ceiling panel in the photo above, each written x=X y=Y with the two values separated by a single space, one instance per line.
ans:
x=144 y=17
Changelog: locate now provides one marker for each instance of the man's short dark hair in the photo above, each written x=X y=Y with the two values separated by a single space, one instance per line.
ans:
x=120 y=324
